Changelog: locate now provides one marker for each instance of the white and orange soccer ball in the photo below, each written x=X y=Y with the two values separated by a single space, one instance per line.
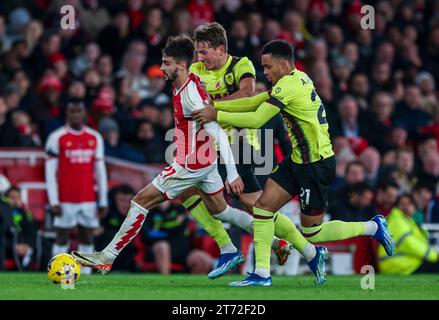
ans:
x=63 y=268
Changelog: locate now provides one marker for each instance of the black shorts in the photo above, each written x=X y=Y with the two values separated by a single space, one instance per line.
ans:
x=180 y=247
x=310 y=181
x=247 y=174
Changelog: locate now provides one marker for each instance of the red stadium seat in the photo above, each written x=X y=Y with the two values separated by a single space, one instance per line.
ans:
x=25 y=173
x=37 y=201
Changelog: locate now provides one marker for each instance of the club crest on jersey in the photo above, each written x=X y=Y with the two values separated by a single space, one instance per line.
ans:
x=217 y=85
x=91 y=143
x=69 y=143
x=229 y=78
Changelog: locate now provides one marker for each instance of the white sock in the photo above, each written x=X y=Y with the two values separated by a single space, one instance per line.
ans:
x=236 y=217
x=57 y=249
x=86 y=248
x=128 y=230
x=228 y=248
x=309 y=252
x=370 y=228
x=275 y=243
x=264 y=273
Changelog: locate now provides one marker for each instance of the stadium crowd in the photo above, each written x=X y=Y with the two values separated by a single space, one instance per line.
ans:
x=378 y=85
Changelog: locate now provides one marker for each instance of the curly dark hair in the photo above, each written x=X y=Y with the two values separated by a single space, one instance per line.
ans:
x=181 y=48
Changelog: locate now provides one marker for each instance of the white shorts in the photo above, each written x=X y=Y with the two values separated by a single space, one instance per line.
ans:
x=73 y=214
x=175 y=179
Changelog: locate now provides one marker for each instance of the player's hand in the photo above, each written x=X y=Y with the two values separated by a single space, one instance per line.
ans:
x=102 y=212
x=236 y=186
x=56 y=211
x=205 y=115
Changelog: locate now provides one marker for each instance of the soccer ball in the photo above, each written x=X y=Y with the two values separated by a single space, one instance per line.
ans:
x=63 y=268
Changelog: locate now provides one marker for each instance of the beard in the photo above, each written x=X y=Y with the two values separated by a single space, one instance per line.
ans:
x=172 y=76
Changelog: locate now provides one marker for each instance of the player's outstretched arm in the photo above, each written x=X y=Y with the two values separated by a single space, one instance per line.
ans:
x=101 y=177
x=246 y=104
x=226 y=152
x=250 y=120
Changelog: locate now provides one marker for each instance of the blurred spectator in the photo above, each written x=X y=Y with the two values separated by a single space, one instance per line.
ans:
x=422 y=195
x=239 y=42
x=408 y=113
x=157 y=86
x=49 y=104
x=398 y=138
x=182 y=23
x=355 y=173
x=385 y=198
x=359 y=88
x=93 y=17
x=76 y=89
x=404 y=175
x=114 y=38
x=28 y=136
x=349 y=125
x=380 y=77
x=413 y=253
x=27 y=95
x=150 y=111
x=104 y=65
x=149 y=143
x=151 y=32
x=381 y=120
x=371 y=160
x=38 y=62
x=9 y=134
x=93 y=84
x=429 y=102
x=341 y=70
x=167 y=235
x=22 y=240
x=201 y=12
x=132 y=64
x=119 y=200
x=114 y=147
x=354 y=204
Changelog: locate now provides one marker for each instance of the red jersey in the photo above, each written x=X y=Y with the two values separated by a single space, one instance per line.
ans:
x=77 y=152
x=195 y=148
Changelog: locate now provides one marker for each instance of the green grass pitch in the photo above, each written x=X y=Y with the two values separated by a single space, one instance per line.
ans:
x=184 y=287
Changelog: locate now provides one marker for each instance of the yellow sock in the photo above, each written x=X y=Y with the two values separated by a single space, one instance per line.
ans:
x=212 y=226
x=284 y=228
x=333 y=231
x=263 y=233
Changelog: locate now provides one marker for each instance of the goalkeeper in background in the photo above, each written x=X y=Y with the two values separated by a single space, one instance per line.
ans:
x=310 y=169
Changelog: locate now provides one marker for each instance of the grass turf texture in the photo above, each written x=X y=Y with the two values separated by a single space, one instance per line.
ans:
x=182 y=287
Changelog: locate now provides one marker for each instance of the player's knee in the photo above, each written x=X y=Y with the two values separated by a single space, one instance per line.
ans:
x=162 y=248
x=308 y=220
x=263 y=205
